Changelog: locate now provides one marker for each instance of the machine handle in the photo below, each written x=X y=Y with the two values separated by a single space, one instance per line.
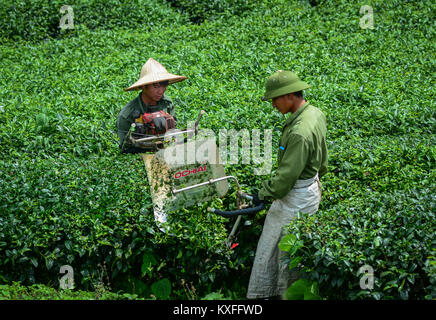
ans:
x=246 y=196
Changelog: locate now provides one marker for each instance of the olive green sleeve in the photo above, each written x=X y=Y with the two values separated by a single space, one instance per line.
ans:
x=292 y=163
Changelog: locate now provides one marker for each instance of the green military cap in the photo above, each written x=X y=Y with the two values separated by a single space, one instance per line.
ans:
x=281 y=83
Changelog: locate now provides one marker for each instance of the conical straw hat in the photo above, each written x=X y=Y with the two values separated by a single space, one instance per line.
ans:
x=152 y=72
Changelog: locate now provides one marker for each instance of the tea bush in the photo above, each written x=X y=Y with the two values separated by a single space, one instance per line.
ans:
x=198 y=10
x=16 y=291
x=68 y=197
x=391 y=232
x=40 y=19
x=78 y=217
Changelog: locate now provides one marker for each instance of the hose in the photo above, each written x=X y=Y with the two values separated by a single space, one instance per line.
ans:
x=239 y=212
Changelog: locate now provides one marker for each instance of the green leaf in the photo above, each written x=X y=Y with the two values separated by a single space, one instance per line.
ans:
x=34 y=262
x=303 y=289
x=287 y=242
x=180 y=254
x=314 y=289
x=297 y=289
x=162 y=288
x=290 y=244
x=140 y=286
x=295 y=262
x=377 y=241
x=148 y=261
x=310 y=296
x=118 y=253
x=68 y=244
x=49 y=263
x=214 y=296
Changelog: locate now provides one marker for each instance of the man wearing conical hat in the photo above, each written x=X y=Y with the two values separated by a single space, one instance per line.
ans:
x=295 y=187
x=153 y=81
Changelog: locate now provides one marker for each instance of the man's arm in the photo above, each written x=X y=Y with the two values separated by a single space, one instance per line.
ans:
x=290 y=168
x=123 y=127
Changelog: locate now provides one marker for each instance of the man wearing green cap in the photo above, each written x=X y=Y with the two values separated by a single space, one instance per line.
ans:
x=302 y=160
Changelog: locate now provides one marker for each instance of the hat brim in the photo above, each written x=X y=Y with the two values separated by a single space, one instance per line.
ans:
x=150 y=79
x=294 y=87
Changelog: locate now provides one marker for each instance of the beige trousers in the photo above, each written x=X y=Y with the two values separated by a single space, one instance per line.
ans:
x=269 y=276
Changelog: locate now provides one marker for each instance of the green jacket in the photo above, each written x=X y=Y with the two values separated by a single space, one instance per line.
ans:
x=302 y=151
x=126 y=116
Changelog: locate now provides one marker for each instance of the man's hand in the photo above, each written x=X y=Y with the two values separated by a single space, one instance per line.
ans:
x=256 y=200
x=160 y=124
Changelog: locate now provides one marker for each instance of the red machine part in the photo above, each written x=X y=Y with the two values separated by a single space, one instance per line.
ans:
x=158 y=122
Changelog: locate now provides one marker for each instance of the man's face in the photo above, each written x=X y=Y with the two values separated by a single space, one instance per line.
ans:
x=155 y=91
x=284 y=103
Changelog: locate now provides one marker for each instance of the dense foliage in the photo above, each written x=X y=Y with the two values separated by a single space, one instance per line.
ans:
x=198 y=11
x=68 y=197
x=16 y=291
x=40 y=19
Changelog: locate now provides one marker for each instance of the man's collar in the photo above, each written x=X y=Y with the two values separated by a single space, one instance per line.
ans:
x=295 y=115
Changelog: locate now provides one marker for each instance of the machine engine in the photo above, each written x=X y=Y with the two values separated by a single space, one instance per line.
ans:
x=155 y=123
